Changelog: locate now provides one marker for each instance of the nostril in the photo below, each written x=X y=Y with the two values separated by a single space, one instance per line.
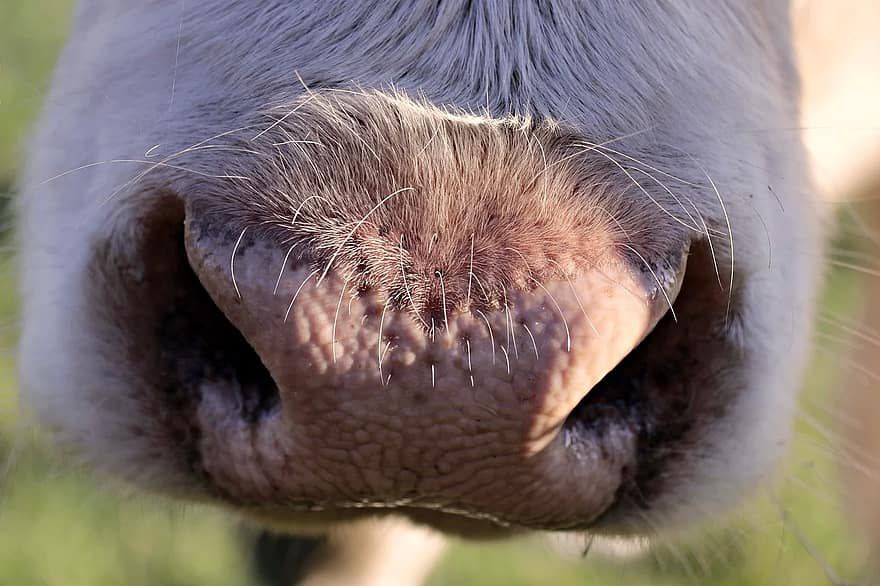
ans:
x=183 y=340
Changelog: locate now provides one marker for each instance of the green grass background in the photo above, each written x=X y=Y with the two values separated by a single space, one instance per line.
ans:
x=58 y=528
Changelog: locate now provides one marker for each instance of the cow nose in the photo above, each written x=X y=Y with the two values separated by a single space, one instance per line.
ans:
x=407 y=391
x=421 y=300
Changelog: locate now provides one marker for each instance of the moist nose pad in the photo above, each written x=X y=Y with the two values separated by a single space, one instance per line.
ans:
x=358 y=371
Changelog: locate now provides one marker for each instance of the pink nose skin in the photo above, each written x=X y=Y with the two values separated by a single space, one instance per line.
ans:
x=380 y=408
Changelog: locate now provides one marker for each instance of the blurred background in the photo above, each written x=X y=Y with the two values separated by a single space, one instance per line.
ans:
x=58 y=527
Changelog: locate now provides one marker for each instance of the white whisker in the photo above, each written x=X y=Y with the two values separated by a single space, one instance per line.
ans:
x=379 y=345
x=412 y=302
x=576 y=297
x=653 y=274
x=358 y=225
x=336 y=320
x=508 y=320
x=283 y=266
x=292 y=301
x=534 y=344
x=561 y=314
x=232 y=262
x=467 y=343
x=470 y=272
x=506 y=358
x=491 y=335
x=283 y=118
x=443 y=299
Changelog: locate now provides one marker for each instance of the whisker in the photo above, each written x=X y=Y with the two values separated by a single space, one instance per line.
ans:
x=506 y=358
x=561 y=314
x=480 y=285
x=294 y=110
x=491 y=335
x=232 y=262
x=470 y=272
x=576 y=297
x=406 y=287
x=546 y=167
x=534 y=344
x=621 y=137
x=729 y=229
x=302 y=82
x=614 y=219
x=283 y=266
x=428 y=143
x=638 y=185
x=381 y=323
x=663 y=186
x=302 y=205
x=443 y=298
x=336 y=319
x=153 y=165
x=145 y=161
x=292 y=301
x=659 y=284
x=467 y=344
x=620 y=285
x=521 y=256
x=509 y=323
x=711 y=245
x=297 y=141
x=358 y=225
x=675 y=218
x=645 y=165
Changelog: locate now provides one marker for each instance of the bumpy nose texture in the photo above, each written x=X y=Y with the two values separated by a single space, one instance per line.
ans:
x=375 y=408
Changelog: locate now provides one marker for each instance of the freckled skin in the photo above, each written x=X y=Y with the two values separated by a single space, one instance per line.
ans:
x=455 y=418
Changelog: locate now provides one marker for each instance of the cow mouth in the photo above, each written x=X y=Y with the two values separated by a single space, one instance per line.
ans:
x=241 y=425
